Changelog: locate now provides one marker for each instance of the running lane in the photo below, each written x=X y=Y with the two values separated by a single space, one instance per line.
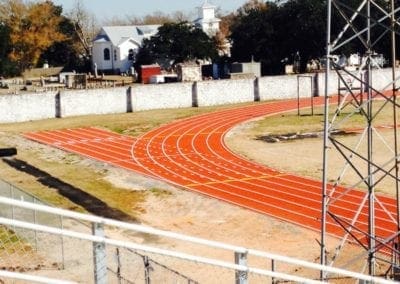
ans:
x=191 y=153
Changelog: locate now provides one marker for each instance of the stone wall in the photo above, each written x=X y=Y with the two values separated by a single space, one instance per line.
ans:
x=220 y=92
x=161 y=96
x=35 y=106
x=25 y=107
x=95 y=101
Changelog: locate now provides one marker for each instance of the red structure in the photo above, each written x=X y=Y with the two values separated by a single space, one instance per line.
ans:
x=146 y=71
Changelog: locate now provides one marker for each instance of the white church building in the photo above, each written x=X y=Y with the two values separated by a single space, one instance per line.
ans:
x=115 y=47
x=207 y=20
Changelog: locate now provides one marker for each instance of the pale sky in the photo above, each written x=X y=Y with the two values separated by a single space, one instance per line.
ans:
x=107 y=9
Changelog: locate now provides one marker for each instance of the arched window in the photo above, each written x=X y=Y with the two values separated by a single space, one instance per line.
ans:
x=106 y=53
x=115 y=55
x=131 y=55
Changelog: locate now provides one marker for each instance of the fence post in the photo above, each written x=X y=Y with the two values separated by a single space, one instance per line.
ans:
x=241 y=277
x=256 y=89
x=12 y=206
x=195 y=99
x=62 y=242
x=99 y=256
x=119 y=276
x=35 y=222
x=273 y=280
x=147 y=269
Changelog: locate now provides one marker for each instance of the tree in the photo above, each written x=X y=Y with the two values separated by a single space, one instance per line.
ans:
x=273 y=34
x=254 y=35
x=33 y=28
x=305 y=22
x=85 y=27
x=69 y=52
x=6 y=66
x=250 y=6
x=156 y=18
x=175 y=43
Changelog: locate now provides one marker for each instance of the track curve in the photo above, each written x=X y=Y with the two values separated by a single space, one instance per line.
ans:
x=191 y=153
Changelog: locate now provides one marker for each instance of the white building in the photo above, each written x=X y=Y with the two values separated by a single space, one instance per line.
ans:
x=115 y=47
x=207 y=20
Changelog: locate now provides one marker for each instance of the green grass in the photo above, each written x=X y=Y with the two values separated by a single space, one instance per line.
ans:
x=290 y=122
x=158 y=192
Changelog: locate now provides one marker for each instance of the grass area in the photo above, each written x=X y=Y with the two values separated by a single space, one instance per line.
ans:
x=74 y=175
x=292 y=123
x=158 y=192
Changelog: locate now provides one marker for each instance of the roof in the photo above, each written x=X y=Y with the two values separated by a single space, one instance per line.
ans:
x=119 y=34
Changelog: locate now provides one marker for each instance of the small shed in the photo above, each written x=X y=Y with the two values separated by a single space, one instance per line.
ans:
x=148 y=71
x=189 y=72
x=253 y=68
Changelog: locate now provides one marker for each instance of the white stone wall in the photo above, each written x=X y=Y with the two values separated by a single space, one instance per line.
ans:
x=17 y=108
x=161 y=96
x=97 y=101
x=25 y=107
x=221 y=92
x=278 y=87
x=332 y=86
x=382 y=79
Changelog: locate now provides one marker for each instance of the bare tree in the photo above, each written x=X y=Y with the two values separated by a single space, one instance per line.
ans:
x=156 y=18
x=85 y=25
x=251 y=5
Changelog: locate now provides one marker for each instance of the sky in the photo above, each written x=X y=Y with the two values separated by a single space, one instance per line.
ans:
x=107 y=9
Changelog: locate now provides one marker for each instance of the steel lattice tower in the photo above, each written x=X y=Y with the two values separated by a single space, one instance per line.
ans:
x=357 y=168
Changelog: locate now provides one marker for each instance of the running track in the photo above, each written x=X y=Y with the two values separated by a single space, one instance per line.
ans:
x=191 y=153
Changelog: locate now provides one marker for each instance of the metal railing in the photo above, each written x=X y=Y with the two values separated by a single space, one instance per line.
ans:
x=239 y=264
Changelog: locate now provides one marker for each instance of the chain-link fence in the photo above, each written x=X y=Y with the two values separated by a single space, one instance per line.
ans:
x=133 y=267
x=24 y=250
x=27 y=250
x=45 y=241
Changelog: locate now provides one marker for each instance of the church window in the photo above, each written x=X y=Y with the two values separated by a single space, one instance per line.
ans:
x=106 y=53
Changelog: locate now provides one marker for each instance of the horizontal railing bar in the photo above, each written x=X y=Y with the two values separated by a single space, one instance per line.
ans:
x=32 y=278
x=119 y=224
x=149 y=230
x=134 y=246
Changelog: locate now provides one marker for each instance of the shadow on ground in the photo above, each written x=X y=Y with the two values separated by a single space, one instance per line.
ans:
x=91 y=203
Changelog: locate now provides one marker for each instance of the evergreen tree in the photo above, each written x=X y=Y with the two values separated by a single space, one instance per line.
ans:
x=176 y=43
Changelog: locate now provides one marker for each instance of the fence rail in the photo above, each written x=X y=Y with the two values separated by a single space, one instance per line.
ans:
x=185 y=266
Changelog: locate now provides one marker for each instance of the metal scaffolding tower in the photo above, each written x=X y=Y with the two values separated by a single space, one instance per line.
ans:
x=360 y=170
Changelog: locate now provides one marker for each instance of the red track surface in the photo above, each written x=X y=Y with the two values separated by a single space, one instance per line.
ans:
x=191 y=153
